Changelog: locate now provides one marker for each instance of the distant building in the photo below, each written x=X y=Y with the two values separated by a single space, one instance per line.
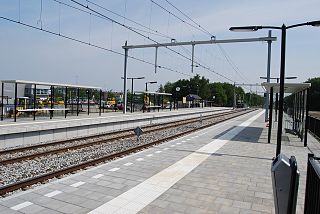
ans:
x=42 y=91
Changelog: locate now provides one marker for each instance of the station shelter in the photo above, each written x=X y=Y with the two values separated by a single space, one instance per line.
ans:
x=43 y=99
x=156 y=100
x=297 y=121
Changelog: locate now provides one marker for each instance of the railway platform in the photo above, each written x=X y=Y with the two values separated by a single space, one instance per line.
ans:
x=221 y=169
x=27 y=132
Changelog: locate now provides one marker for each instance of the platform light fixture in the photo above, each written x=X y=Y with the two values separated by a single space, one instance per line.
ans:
x=283 y=29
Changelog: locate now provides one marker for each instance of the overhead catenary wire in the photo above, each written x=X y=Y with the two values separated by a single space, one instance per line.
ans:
x=188 y=17
x=176 y=16
x=228 y=59
x=155 y=32
x=89 y=44
x=84 y=11
x=147 y=37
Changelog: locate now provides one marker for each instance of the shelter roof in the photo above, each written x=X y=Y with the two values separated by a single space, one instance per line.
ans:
x=156 y=93
x=49 y=84
x=288 y=87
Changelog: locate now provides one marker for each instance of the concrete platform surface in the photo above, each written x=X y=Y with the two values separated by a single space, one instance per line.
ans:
x=221 y=169
x=26 y=132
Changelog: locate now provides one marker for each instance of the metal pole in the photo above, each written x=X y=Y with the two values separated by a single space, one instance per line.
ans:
x=303 y=103
x=162 y=102
x=100 y=102
x=192 y=58
x=234 y=95
x=156 y=61
x=131 y=95
x=125 y=80
x=88 y=96
x=71 y=100
x=2 y=105
x=34 y=101
x=270 y=114
x=281 y=95
x=268 y=75
x=51 y=101
x=65 y=102
x=145 y=99
x=134 y=95
x=15 y=101
x=78 y=94
x=276 y=106
x=307 y=119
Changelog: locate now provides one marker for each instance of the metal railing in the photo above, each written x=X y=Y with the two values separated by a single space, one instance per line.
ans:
x=312 y=194
x=314 y=126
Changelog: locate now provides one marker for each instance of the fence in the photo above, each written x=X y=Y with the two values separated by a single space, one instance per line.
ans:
x=312 y=195
x=314 y=126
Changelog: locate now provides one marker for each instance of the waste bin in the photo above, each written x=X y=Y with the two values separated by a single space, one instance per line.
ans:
x=285 y=182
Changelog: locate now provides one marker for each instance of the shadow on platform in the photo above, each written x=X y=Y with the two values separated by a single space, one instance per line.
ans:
x=249 y=134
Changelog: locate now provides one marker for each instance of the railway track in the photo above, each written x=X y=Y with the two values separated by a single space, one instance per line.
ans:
x=44 y=177
x=30 y=152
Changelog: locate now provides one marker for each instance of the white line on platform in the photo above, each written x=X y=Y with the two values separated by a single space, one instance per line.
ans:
x=78 y=184
x=188 y=139
x=22 y=205
x=139 y=159
x=128 y=164
x=183 y=141
x=53 y=193
x=98 y=176
x=143 y=194
x=113 y=169
x=157 y=152
x=178 y=143
x=165 y=148
x=149 y=155
x=172 y=146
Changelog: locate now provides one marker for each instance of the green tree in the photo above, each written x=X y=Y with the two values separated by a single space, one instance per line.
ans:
x=314 y=96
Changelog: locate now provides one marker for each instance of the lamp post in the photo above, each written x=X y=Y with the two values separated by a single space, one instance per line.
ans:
x=283 y=29
x=176 y=97
x=150 y=82
x=132 y=78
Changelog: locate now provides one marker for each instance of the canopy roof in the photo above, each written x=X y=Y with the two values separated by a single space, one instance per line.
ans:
x=49 y=84
x=156 y=93
x=191 y=97
x=288 y=87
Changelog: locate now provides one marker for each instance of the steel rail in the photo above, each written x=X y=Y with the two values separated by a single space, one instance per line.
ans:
x=44 y=177
x=97 y=142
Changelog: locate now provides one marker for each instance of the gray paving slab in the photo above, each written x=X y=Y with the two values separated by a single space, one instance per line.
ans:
x=235 y=179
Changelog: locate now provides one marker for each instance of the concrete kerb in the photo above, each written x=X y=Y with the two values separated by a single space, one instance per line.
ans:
x=87 y=126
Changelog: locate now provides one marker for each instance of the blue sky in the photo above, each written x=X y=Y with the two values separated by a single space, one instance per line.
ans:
x=34 y=55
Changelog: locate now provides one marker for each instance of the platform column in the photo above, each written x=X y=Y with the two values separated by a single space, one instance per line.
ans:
x=88 y=94
x=100 y=102
x=270 y=114
x=34 y=101
x=303 y=104
x=78 y=94
x=307 y=119
x=2 y=105
x=15 y=101
x=65 y=102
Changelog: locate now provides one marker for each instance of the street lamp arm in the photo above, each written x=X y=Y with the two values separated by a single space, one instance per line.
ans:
x=252 y=28
x=313 y=23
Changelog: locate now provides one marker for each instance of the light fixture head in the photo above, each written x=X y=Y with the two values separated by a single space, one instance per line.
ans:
x=245 y=29
x=315 y=23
